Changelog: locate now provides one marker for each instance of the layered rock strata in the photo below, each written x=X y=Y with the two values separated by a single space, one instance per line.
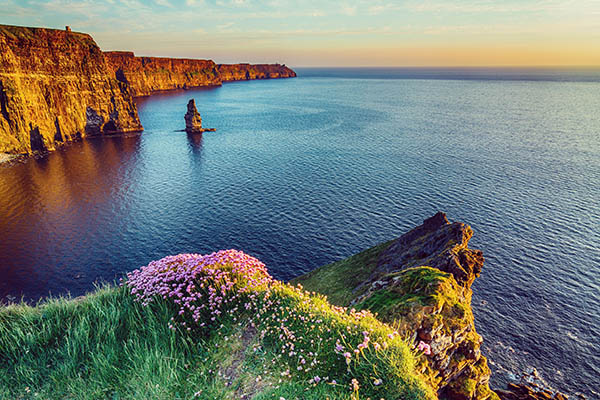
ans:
x=422 y=283
x=193 y=121
x=243 y=72
x=55 y=86
x=147 y=75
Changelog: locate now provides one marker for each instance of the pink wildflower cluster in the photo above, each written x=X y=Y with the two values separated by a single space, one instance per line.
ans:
x=200 y=286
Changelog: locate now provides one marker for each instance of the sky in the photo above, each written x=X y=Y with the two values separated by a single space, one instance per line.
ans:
x=333 y=33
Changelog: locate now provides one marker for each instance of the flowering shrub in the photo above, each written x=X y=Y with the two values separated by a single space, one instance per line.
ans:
x=303 y=337
x=202 y=287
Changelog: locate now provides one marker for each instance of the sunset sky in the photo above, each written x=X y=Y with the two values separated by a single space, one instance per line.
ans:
x=331 y=33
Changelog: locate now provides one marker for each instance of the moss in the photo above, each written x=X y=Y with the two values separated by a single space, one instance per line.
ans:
x=338 y=280
x=416 y=287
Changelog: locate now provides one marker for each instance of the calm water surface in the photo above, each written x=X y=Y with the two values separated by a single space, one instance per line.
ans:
x=306 y=171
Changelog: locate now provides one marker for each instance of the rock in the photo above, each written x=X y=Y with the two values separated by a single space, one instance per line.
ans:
x=429 y=270
x=530 y=387
x=524 y=391
x=146 y=75
x=55 y=87
x=244 y=72
x=193 y=121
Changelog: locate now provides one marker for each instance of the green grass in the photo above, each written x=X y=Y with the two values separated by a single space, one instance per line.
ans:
x=338 y=280
x=108 y=346
x=102 y=346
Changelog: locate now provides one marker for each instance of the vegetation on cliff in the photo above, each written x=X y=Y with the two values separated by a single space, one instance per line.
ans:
x=209 y=327
x=420 y=283
x=218 y=326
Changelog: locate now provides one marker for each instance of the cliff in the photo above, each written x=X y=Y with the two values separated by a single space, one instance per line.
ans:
x=146 y=75
x=421 y=284
x=55 y=86
x=243 y=72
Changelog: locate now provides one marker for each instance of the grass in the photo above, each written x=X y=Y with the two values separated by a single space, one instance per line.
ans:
x=102 y=346
x=273 y=341
x=339 y=279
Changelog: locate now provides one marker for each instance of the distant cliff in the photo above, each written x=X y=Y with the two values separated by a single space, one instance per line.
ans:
x=57 y=86
x=54 y=87
x=146 y=75
x=243 y=72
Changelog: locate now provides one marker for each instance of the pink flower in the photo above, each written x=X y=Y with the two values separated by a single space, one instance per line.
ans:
x=425 y=348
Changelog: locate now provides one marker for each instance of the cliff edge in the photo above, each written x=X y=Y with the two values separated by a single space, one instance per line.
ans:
x=146 y=75
x=244 y=72
x=421 y=284
x=55 y=86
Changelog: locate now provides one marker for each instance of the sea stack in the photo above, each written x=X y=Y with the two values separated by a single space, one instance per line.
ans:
x=193 y=121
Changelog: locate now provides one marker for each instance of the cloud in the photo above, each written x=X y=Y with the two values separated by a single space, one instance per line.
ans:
x=225 y=27
x=164 y=3
x=349 y=10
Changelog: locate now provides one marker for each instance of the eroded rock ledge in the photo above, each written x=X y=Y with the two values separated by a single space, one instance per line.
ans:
x=421 y=283
x=57 y=86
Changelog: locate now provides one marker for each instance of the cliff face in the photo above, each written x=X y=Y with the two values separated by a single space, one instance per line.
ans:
x=421 y=283
x=242 y=72
x=145 y=75
x=55 y=86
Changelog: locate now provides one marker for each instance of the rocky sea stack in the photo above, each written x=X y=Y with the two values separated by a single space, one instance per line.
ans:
x=193 y=121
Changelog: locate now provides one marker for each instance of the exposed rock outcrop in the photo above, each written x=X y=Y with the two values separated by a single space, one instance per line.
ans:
x=147 y=75
x=421 y=283
x=193 y=121
x=243 y=72
x=439 y=312
x=54 y=87
x=527 y=392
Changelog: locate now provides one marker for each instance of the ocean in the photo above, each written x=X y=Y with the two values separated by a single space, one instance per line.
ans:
x=302 y=172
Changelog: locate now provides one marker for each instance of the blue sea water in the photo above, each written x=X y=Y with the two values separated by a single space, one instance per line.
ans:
x=302 y=172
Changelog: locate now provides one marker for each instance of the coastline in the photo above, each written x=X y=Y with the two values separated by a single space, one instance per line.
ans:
x=58 y=86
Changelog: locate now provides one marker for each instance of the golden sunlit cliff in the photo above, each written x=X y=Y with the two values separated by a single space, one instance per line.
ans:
x=54 y=87
x=57 y=86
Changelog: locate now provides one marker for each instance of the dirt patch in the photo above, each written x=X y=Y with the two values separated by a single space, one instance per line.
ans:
x=246 y=388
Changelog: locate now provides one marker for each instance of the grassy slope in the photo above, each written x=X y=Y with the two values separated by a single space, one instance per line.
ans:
x=107 y=346
x=337 y=280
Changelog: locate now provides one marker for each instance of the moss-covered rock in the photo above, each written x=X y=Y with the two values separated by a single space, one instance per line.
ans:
x=421 y=284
